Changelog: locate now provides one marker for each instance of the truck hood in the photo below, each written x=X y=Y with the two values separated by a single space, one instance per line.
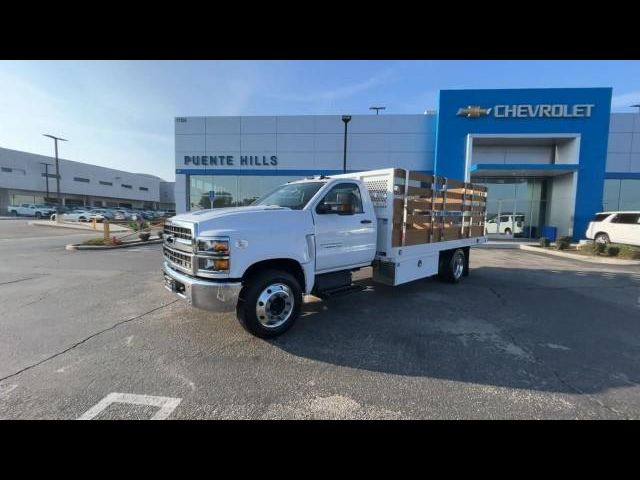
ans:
x=241 y=220
x=205 y=215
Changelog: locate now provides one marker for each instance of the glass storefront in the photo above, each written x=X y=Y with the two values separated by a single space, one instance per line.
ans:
x=231 y=190
x=621 y=195
x=515 y=206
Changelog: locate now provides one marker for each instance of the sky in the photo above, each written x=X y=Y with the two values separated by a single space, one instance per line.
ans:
x=120 y=114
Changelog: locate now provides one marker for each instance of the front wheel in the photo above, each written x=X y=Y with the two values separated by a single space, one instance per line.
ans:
x=452 y=266
x=14 y=213
x=269 y=304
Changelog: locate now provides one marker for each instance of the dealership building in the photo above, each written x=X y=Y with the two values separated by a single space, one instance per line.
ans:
x=549 y=157
x=30 y=178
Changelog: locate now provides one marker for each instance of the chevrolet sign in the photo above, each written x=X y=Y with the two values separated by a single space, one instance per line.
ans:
x=529 y=111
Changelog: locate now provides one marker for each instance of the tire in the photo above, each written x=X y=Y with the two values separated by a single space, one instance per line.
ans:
x=602 y=238
x=14 y=213
x=38 y=215
x=507 y=231
x=269 y=288
x=451 y=267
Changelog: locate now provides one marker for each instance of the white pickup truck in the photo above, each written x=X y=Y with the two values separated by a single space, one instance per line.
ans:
x=30 y=210
x=308 y=236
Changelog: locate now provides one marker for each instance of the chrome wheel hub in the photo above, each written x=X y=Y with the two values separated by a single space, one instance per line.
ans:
x=458 y=266
x=275 y=305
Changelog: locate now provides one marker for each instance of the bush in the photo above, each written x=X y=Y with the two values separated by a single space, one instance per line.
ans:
x=135 y=226
x=612 y=250
x=94 y=241
x=544 y=242
x=599 y=248
x=563 y=243
x=629 y=251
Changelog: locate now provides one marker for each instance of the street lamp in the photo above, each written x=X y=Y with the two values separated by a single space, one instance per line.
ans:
x=55 y=141
x=377 y=109
x=636 y=106
x=46 y=174
x=346 y=119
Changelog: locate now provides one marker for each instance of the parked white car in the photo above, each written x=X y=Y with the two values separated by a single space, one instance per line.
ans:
x=615 y=227
x=75 y=216
x=30 y=210
x=505 y=224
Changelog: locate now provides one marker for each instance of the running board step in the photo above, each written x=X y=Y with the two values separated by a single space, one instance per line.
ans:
x=339 y=291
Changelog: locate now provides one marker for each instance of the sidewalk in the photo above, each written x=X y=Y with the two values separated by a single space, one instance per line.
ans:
x=508 y=244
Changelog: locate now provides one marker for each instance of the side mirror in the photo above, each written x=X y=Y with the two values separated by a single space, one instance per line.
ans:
x=322 y=208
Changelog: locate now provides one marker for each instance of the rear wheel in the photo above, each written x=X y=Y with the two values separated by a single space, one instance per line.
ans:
x=507 y=231
x=38 y=215
x=14 y=213
x=452 y=266
x=269 y=303
x=602 y=238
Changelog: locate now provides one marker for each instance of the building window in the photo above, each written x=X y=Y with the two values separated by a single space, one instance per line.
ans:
x=621 y=195
x=50 y=175
x=126 y=186
x=144 y=189
x=13 y=170
x=230 y=190
x=80 y=179
x=110 y=184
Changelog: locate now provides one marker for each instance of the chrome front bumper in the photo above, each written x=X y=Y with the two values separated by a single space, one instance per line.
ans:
x=204 y=294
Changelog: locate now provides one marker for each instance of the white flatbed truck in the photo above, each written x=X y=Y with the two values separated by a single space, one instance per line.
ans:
x=308 y=236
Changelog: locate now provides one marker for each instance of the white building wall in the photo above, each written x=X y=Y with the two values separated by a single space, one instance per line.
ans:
x=28 y=172
x=311 y=142
x=305 y=143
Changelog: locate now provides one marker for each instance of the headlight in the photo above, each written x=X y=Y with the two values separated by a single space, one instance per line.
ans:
x=212 y=254
x=213 y=246
x=213 y=264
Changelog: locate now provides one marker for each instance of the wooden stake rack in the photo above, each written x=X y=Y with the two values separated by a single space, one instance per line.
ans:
x=429 y=209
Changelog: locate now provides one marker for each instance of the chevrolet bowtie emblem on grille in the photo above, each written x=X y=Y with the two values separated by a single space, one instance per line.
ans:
x=473 y=111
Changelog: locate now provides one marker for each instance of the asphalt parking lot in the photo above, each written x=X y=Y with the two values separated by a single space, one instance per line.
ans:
x=95 y=335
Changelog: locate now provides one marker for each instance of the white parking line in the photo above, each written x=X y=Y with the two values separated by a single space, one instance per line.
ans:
x=165 y=404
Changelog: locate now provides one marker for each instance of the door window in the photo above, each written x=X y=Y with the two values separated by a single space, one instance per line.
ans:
x=342 y=199
x=627 y=218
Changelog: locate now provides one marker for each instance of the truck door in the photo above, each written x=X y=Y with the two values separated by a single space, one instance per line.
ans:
x=345 y=226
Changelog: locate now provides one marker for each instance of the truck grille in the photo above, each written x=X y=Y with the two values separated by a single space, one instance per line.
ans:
x=177 y=232
x=177 y=258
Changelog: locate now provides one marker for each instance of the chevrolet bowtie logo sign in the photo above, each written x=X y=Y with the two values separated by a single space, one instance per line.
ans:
x=473 y=111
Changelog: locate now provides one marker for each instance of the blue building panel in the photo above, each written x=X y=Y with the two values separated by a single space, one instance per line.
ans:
x=584 y=112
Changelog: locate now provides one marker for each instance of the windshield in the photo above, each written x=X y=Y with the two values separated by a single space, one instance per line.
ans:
x=291 y=195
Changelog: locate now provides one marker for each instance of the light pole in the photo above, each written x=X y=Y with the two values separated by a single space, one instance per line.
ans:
x=46 y=175
x=55 y=141
x=346 y=119
x=377 y=109
x=636 y=106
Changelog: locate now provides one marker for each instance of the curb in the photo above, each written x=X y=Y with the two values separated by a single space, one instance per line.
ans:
x=73 y=247
x=582 y=258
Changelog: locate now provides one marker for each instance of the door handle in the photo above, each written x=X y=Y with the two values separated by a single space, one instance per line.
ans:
x=365 y=221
